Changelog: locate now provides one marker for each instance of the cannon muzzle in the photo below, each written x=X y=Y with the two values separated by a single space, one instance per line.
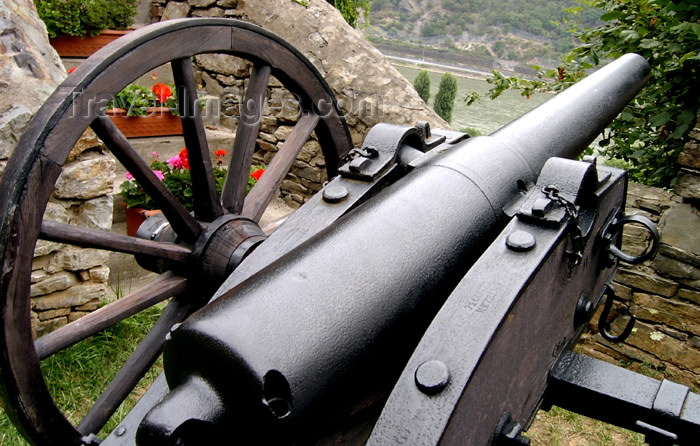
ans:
x=322 y=333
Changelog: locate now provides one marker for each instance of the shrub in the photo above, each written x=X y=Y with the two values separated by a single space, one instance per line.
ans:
x=85 y=17
x=445 y=97
x=422 y=85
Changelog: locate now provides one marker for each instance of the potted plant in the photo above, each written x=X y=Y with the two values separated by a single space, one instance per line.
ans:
x=140 y=111
x=175 y=174
x=78 y=28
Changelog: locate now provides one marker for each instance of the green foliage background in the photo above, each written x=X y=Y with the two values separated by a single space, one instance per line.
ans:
x=650 y=133
x=85 y=17
x=351 y=9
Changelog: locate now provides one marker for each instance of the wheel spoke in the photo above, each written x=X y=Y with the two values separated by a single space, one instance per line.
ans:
x=184 y=224
x=94 y=238
x=135 y=367
x=265 y=189
x=234 y=190
x=207 y=206
x=164 y=286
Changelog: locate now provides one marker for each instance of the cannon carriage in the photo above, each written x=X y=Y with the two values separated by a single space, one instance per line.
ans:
x=429 y=294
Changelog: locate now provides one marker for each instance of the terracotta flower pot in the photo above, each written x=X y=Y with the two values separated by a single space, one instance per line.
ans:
x=159 y=122
x=135 y=217
x=72 y=46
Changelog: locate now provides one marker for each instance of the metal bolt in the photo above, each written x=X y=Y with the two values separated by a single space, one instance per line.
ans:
x=335 y=194
x=121 y=430
x=520 y=241
x=432 y=377
x=541 y=207
x=359 y=164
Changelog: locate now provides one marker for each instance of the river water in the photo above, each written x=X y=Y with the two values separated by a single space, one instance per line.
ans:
x=486 y=115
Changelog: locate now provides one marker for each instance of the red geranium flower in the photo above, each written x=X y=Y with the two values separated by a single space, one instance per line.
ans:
x=184 y=158
x=162 y=91
x=220 y=152
x=257 y=174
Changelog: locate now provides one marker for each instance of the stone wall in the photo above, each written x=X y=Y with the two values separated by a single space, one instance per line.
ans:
x=663 y=293
x=368 y=88
x=66 y=281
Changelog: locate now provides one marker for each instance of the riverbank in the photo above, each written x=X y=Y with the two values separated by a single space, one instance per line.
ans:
x=438 y=67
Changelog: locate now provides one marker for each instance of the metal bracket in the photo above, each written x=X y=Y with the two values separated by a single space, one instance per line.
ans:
x=615 y=395
x=383 y=147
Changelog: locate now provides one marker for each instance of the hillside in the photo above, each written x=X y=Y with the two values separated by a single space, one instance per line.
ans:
x=505 y=34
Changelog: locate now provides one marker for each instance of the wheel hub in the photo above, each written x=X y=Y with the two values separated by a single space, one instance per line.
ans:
x=223 y=245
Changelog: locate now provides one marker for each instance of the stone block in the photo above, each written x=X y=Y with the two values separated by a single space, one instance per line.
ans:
x=176 y=10
x=55 y=282
x=690 y=156
x=680 y=226
x=283 y=132
x=39 y=275
x=688 y=185
x=45 y=327
x=310 y=173
x=72 y=258
x=227 y=3
x=211 y=85
x=75 y=315
x=643 y=278
x=649 y=339
x=72 y=297
x=86 y=179
x=691 y=295
x=269 y=124
x=12 y=124
x=52 y=314
x=224 y=64
x=211 y=12
x=309 y=151
x=95 y=213
x=92 y=305
x=201 y=3
x=294 y=187
x=669 y=266
x=55 y=212
x=647 y=198
x=99 y=274
x=672 y=312
x=87 y=141
x=266 y=146
x=268 y=137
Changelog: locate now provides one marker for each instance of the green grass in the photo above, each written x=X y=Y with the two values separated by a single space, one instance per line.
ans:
x=559 y=427
x=77 y=376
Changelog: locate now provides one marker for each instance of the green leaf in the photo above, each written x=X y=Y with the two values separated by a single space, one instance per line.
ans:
x=659 y=119
x=628 y=35
x=649 y=43
x=612 y=15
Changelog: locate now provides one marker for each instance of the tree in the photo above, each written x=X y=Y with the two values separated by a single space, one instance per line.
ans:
x=445 y=97
x=422 y=85
x=651 y=132
x=350 y=9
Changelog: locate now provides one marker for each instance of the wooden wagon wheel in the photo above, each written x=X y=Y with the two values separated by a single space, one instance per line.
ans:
x=202 y=248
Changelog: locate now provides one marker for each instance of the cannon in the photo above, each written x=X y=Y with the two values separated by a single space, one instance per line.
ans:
x=430 y=293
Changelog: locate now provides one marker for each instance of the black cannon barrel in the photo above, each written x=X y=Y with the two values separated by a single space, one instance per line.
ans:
x=326 y=329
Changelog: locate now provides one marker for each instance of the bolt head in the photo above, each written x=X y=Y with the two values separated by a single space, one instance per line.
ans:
x=520 y=241
x=335 y=194
x=432 y=377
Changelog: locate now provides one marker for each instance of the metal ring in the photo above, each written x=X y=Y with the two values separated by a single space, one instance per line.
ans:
x=651 y=250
